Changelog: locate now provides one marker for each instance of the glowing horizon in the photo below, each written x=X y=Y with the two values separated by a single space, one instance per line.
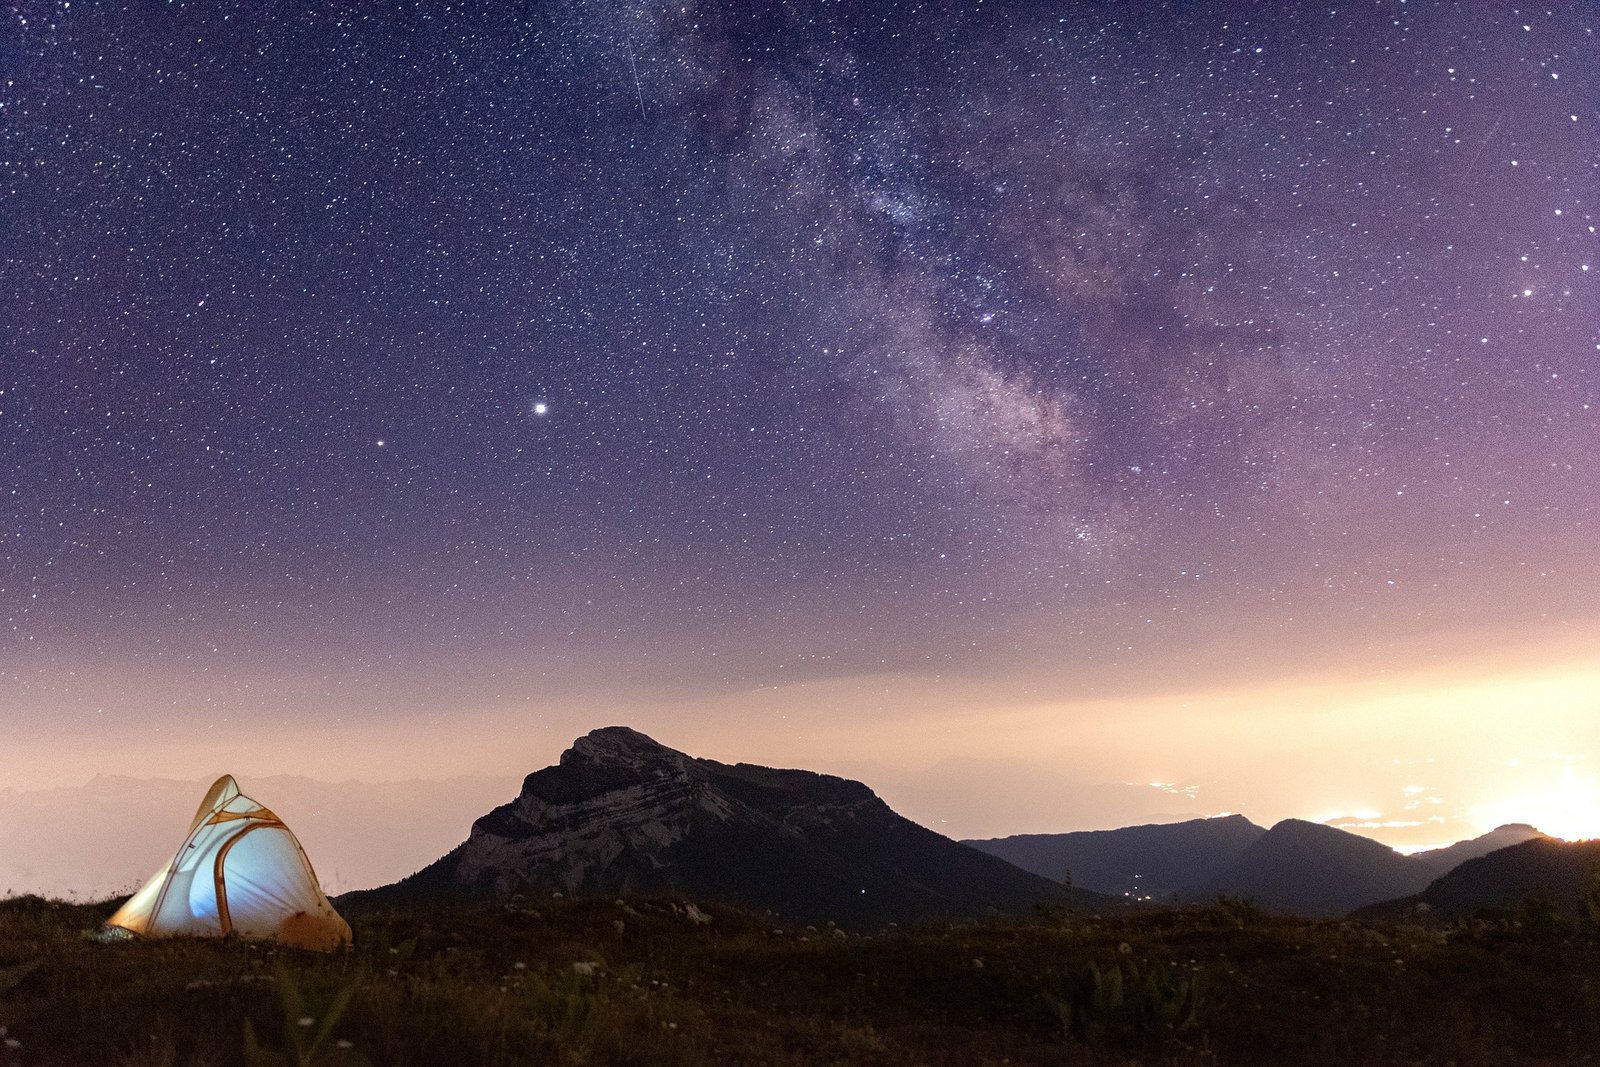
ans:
x=1468 y=747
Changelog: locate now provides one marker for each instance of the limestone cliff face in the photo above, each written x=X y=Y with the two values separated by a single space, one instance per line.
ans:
x=623 y=814
x=618 y=801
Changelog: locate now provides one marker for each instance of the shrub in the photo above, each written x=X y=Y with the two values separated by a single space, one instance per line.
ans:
x=1127 y=1003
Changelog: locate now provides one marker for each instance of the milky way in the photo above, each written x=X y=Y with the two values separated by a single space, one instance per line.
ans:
x=369 y=364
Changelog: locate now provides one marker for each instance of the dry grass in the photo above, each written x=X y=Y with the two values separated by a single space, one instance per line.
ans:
x=513 y=985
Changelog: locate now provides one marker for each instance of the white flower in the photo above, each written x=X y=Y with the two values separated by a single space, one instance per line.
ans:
x=306 y=1020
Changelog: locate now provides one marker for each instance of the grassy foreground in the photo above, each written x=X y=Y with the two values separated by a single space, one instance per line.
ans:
x=652 y=982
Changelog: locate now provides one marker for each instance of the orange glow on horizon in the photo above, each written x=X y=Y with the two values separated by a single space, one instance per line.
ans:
x=1568 y=808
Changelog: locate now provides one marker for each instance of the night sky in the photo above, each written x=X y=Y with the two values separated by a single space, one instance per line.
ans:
x=1196 y=393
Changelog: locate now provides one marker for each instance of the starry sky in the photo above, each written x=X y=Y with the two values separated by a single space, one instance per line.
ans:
x=991 y=400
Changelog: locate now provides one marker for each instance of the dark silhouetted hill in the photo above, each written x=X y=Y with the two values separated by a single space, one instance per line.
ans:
x=1561 y=872
x=1310 y=869
x=1439 y=861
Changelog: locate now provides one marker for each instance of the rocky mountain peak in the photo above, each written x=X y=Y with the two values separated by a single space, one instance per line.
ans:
x=617 y=746
x=624 y=814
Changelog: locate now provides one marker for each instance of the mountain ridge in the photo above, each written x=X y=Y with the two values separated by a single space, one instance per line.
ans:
x=1147 y=860
x=1314 y=869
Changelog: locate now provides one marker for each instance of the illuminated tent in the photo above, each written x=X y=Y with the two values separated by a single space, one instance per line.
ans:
x=240 y=871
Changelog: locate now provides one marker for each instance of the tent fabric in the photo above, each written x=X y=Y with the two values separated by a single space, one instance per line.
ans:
x=239 y=871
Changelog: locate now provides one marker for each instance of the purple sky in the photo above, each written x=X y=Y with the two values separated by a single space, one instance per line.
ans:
x=1191 y=394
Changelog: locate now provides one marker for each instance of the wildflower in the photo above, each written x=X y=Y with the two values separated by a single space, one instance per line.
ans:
x=306 y=1020
x=585 y=968
x=1125 y=949
x=519 y=966
x=345 y=1043
x=13 y=1044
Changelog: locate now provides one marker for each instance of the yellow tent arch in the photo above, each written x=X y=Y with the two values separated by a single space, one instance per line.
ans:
x=239 y=871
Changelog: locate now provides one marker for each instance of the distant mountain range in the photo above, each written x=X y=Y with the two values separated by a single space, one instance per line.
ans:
x=1296 y=866
x=1136 y=861
x=623 y=814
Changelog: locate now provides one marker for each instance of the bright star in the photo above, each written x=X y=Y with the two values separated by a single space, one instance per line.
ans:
x=541 y=408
